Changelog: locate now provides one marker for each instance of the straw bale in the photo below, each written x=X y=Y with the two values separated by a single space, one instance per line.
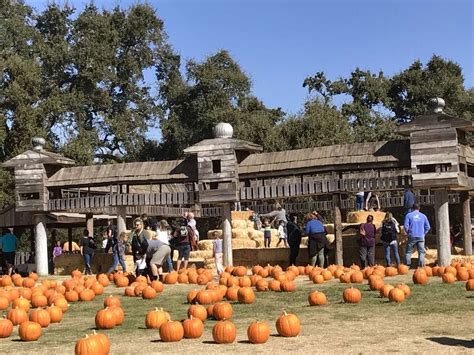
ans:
x=239 y=233
x=239 y=223
x=241 y=215
x=200 y=254
x=253 y=234
x=205 y=245
x=243 y=243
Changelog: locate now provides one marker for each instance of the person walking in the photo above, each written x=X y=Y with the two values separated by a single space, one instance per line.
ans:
x=118 y=246
x=87 y=245
x=416 y=226
x=317 y=240
x=366 y=242
x=389 y=240
x=9 y=243
x=294 y=238
x=163 y=234
x=217 y=252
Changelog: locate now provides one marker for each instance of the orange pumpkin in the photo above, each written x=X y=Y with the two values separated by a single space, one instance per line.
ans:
x=112 y=301
x=21 y=303
x=288 y=325
x=193 y=328
x=224 y=332
x=385 y=290
x=352 y=295
x=198 y=311
x=118 y=313
x=6 y=328
x=39 y=301
x=357 y=277
x=420 y=277
x=258 y=332
x=121 y=281
x=317 y=298
x=71 y=296
x=222 y=311
x=274 y=285
x=261 y=285
x=391 y=271
x=231 y=293
x=246 y=295
x=171 y=331
x=97 y=288
x=61 y=303
x=470 y=285
x=4 y=303
x=17 y=316
x=88 y=345
x=29 y=331
x=86 y=295
x=449 y=278
x=156 y=318
x=204 y=297
x=396 y=295
x=149 y=293
x=171 y=278
x=105 y=319
x=406 y=290
x=55 y=314
x=41 y=317
x=288 y=286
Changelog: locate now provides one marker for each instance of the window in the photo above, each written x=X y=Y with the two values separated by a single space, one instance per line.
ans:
x=29 y=196
x=434 y=168
x=216 y=166
x=214 y=185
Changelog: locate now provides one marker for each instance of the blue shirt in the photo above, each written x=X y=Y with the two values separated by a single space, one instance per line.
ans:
x=217 y=246
x=9 y=242
x=314 y=226
x=416 y=225
x=409 y=199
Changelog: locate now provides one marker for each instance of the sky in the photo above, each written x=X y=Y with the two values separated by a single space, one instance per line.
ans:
x=281 y=42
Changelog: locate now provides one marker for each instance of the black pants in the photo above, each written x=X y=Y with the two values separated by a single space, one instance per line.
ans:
x=367 y=256
x=294 y=251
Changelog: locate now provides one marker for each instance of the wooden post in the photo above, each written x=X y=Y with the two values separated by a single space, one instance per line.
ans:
x=442 y=227
x=466 y=225
x=41 y=245
x=336 y=199
x=226 y=235
x=121 y=219
x=90 y=223
x=69 y=239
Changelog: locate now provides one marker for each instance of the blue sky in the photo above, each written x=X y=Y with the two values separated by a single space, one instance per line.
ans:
x=279 y=43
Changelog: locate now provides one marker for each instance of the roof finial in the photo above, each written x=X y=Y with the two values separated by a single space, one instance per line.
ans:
x=223 y=130
x=437 y=104
x=38 y=143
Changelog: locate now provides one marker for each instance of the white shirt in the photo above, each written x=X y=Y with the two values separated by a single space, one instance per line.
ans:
x=163 y=236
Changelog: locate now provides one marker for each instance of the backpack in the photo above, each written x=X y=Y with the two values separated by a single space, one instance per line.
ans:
x=183 y=231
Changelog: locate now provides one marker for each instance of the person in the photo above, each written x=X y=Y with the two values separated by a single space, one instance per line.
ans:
x=57 y=250
x=416 y=226
x=192 y=223
x=255 y=219
x=87 y=245
x=74 y=247
x=267 y=233
x=184 y=238
x=9 y=243
x=139 y=240
x=118 y=246
x=217 y=253
x=156 y=255
x=105 y=241
x=163 y=234
x=389 y=238
x=282 y=237
x=317 y=240
x=409 y=199
x=278 y=215
x=372 y=201
x=294 y=238
x=360 y=201
x=366 y=242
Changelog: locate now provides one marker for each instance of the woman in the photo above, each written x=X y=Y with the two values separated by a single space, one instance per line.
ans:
x=156 y=253
x=183 y=237
x=87 y=245
x=317 y=240
x=163 y=235
x=366 y=242
x=389 y=238
x=118 y=250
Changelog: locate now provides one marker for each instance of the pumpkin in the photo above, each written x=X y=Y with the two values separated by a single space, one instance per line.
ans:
x=156 y=318
x=6 y=280
x=103 y=339
x=254 y=279
x=385 y=290
x=139 y=287
x=118 y=313
x=121 y=281
x=26 y=293
x=76 y=273
x=406 y=290
x=357 y=277
x=274 y=285
x=97 y=288
x=129 y=291
x=222 y=311
x=27 y=282
x=463 y=274
x=396 y=295
x=258 y=332
x=420 y=277
x=391 y=271
x=88 y=345
x=288 y=325
x=232 y=281
x=4 y=303
x=345 y=278
x=193 y=328
x=21 y=303
x=224 y=332
x=204 y=297
x=451 y=269
x=263 y=272
x=448 y=278
x=246 y=295
x=191 y=296
x=376 y=283
x=61 y=303
x=18 y=281
x=105 y=319
x=87 y=295
x=351 y=295
x=470 y=285
x=6 y=328
x=39 y=301
x=148 y=293
x=327 y=275
x=198 y=311
x=29 y=331
x=171 y=331
x=71 y=296
x=261 y=285
x=41 y=317
x=288 y=286
x=55 y=314
x=171 y=278
x=231 y=293
x=429 y=271
x=183 y=279
x=112 y=301
x=210 y=311
x=239 y=271
x=317 y=298
x=17 y=316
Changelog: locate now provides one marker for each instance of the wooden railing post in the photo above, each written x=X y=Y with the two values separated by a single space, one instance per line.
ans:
x=336 y=200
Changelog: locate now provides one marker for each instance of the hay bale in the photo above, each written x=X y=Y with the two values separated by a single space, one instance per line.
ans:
x=201 y=254
x=205 y=245
x=243 y=243
x=253 y=234
x=304 y=241
x=250 y=225
x=259 y=243
x=241 y=215
x=239 y=233
x=331 y=238
x=213 y=232
x=361 y=217
x=239 y=223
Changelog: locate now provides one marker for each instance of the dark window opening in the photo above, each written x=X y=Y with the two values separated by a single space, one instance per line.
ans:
x=216 y=166
x=29 y=196
x=470 y=170
x=434 y=168
x=214 y=185
x=462 y=168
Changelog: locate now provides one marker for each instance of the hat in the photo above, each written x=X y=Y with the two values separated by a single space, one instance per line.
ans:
x=164 y=223
x=277 y=205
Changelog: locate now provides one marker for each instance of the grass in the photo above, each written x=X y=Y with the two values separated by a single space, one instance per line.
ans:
x=420 y=317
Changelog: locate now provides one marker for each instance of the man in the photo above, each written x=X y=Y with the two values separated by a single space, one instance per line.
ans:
x=360 y=201
x=416 y=226
x=183 y=239
x=409 y=199
x=9 y=245
x=294 y=238
x=278 y=215
x=87 y=245
x=139 y=240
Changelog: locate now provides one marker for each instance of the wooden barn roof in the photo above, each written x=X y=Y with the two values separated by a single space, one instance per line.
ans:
x=42 y=157
x=334 y=157
x=435 y=121
x=166 y=171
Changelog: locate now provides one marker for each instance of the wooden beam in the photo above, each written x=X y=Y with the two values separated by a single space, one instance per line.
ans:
x=466 y=230
x=442 y=227
x=336 y=200
x=226 y=235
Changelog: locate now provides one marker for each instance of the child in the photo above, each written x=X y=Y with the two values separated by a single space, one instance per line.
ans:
x=282 y=234
x=267 y=233
x=217 y=253
x=57 y=250
x=141 y=267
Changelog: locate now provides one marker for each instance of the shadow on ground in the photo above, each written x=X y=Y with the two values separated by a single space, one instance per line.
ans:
x=453 y=342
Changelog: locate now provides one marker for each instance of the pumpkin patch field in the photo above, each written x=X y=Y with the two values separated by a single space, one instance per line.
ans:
x=263 y=309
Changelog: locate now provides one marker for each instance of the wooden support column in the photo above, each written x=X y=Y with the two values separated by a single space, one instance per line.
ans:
x=41 y=245
x=90 y=223
x=226 y=235
x=336 y=199
x=121 y=219
x=466 y=222
x=69 y=238
x=442 y=227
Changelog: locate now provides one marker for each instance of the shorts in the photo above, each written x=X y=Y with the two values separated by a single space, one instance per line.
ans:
x=183 y=252
x=267 y=235
x=9 y=257
x=160 y=255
